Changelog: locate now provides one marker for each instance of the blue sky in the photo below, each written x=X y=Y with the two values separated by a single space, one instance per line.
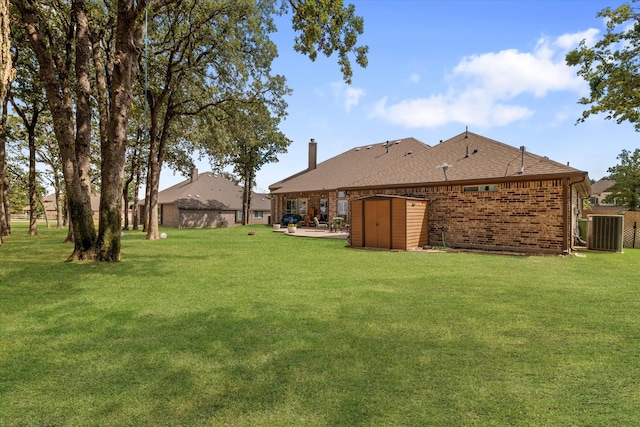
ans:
x=436 y=67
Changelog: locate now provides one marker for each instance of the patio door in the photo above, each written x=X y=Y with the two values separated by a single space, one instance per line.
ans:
x=377 y=224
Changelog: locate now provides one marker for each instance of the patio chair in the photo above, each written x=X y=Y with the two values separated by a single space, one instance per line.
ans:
x=320 y=223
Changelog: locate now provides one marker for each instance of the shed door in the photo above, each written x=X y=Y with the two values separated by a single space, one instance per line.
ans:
x=377 y=224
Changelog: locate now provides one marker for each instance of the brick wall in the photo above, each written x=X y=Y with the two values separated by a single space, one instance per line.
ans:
x=170 y=216
x=522 y=216
x=279 y=203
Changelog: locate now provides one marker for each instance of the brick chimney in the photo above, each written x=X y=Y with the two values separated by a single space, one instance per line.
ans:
x=194 y=174
x=313 y=154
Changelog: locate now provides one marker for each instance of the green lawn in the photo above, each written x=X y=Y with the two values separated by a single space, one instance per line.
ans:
x=216 y=327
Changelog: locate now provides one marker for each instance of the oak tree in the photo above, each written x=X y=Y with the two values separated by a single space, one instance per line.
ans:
x=6 y=75
x=611 y=67
x=626 y=177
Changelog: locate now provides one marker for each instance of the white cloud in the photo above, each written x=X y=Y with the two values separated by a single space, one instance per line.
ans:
x=352 y=97
x=509 y=73
x=569 y=41
x=483 y=88
x=439 y=110
x=414 y=78
x=349 y=96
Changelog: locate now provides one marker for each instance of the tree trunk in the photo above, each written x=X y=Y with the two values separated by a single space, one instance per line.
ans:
x=59 y=98
x=46 y=217
x=125 y=205
x=136 y=174
x=153 y=177
x=157 y=150
x=58 y=202
x=6 y=75
x=129 y=35
x=4 y=181
x=135 y=212
x=4 y=190
x=70 y=237
x=33 y=200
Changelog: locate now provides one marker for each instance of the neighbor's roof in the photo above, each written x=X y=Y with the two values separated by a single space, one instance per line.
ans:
x=49 y=202
x=601 y=186
x=210 y=191
x=345 y=168
x=466 y=157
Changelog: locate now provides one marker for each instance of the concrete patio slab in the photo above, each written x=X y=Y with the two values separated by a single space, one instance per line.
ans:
x=314 y=232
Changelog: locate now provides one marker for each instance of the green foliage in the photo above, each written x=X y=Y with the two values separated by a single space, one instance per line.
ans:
x=612 y=67
x=327 y=27
x=626 y=177
x=18 y=187
x=215 y=327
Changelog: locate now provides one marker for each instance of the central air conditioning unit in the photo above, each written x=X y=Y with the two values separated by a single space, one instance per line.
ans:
x=605 y=232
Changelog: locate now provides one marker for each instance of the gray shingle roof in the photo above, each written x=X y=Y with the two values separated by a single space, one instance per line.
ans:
x=601 y=186
x=212 y=192
x=467 y=156
x=345 y=168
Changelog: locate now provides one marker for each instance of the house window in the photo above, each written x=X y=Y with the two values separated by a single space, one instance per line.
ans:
x=303 y=206
x=324 y=204
x=342 y=194
x=257 y=214
x=239 y=215
x=480 y=188
x=342 y=207
x=292 y=207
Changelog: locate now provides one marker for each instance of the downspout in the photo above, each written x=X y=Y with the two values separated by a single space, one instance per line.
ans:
x=566 y=223
x=571 y=184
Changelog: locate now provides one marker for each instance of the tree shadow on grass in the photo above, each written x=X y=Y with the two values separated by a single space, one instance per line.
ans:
x=78 y=365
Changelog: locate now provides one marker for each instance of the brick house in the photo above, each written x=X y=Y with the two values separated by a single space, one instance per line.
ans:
x=482 y=194
x=207 y=200
x=320 y=187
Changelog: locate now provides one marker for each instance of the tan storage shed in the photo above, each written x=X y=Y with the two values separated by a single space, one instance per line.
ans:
x=389 y=222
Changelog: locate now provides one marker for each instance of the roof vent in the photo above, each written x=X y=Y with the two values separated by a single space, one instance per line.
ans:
x=368 y=147
x=358 y=149
x=444 y=167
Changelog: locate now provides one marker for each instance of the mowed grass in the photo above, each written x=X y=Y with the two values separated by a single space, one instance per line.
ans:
x=216 y=327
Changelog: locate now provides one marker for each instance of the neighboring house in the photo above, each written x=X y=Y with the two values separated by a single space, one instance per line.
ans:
x=50 y=208
x=599 y=191
x=481 y=193
x=207 y=200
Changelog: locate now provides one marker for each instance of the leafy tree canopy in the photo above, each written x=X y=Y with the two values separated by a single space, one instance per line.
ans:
x=626 y=175
x=328 y=27
x=612 y=67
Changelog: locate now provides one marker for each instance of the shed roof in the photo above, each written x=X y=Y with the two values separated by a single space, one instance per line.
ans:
x=207 y=190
